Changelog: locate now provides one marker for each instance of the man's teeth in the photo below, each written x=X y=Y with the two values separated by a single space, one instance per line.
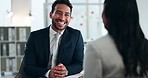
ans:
x=61 y=22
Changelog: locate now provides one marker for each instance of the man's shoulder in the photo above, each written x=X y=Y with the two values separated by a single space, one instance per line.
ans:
x=70 y=29
x=40 y=30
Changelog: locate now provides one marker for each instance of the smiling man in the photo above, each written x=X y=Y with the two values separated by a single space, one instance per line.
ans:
x=43 y=58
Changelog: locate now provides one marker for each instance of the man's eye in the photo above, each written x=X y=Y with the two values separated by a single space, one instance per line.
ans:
x=67 y=14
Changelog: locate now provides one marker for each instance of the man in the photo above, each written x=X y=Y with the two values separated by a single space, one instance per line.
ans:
x=42 y=60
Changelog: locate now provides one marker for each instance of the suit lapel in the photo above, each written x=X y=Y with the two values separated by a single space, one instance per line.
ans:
x=46 y=42
x=65 y=38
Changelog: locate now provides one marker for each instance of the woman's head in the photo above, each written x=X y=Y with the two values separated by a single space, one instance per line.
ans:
x=121 y=19
x=120 y=15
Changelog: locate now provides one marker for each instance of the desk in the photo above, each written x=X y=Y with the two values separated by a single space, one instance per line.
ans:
x=72 y=76
x=79 y=75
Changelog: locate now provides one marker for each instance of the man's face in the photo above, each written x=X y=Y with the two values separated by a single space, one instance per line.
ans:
x=60 y=17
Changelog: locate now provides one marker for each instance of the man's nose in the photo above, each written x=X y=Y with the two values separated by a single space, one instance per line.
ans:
x=62 y=17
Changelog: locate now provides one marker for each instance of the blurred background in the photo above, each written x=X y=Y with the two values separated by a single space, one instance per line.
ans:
x=19 y=17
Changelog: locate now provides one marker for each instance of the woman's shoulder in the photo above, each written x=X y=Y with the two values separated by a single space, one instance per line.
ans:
x=102 y=42
x=106 y=39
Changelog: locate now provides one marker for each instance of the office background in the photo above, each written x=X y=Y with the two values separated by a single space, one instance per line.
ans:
x=86 y=16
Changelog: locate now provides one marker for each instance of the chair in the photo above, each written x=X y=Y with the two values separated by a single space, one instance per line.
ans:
x=21 y=73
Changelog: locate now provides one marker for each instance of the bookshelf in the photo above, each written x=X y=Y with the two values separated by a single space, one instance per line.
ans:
x=12 y=45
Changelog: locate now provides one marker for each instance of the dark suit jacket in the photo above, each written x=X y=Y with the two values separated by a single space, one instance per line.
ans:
x=70 y=52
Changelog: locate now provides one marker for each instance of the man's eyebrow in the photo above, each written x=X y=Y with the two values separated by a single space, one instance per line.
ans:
x=65 y=12
x=58 y=11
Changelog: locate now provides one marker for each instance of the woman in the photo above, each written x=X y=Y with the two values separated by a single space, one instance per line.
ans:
x=123 y=52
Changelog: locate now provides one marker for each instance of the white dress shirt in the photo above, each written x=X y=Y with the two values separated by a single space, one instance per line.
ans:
x=51 y=36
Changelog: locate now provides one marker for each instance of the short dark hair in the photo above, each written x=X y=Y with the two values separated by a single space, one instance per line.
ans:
x=66 y=2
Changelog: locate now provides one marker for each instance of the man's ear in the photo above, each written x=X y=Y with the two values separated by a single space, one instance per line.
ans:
x=50 y=15
x=71 y=17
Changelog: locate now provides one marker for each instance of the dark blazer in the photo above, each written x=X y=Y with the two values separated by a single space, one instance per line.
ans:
x=70 y=52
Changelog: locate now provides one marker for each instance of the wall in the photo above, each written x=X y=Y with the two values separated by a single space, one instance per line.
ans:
x=5 y=6
x=143 y=13
x=20 y=9
x=37 y=10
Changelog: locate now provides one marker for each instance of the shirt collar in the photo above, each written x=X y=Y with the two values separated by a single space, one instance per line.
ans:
x=52 y=32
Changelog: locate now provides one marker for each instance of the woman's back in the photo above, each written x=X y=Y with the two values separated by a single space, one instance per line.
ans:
x=102 y=59
x=121 y=19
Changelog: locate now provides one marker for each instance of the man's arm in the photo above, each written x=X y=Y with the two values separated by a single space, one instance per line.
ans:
x=30 y=57
x=77 y=61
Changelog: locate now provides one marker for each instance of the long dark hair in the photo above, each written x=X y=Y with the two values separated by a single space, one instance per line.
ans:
x=123 y=26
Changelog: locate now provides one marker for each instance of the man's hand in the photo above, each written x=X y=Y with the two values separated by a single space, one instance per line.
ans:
x=58 y=71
